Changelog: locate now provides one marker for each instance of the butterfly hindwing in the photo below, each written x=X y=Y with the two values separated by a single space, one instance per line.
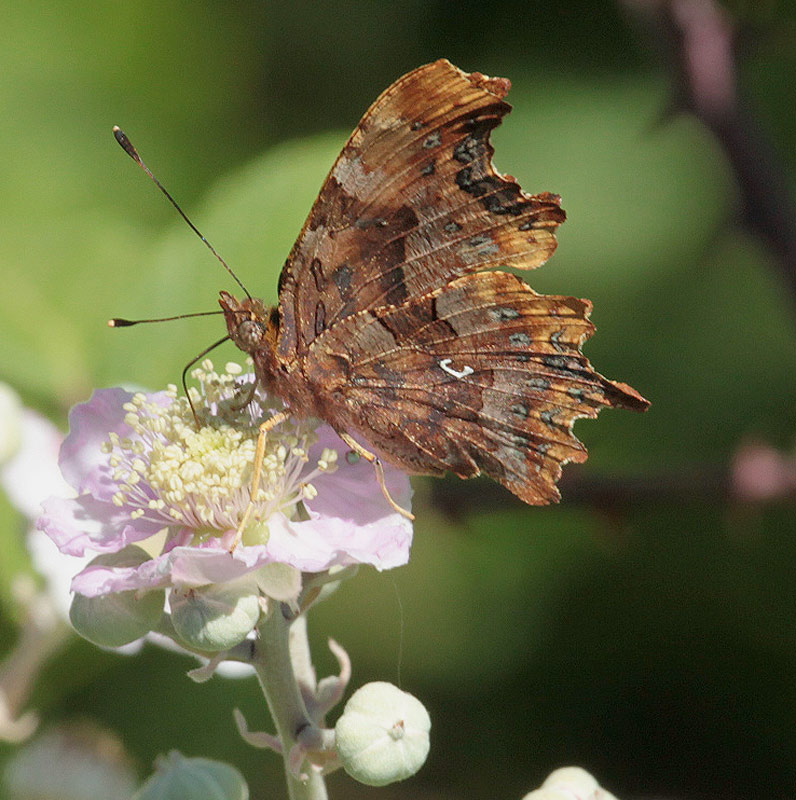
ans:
x=412 y=201
x=481 y=375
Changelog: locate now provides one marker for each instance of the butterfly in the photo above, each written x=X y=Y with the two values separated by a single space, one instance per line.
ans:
x=392 y=325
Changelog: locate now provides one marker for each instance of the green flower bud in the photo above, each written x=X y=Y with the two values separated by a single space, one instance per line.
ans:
x=216 y=617
x=382 y=735
x=113 y=620
x=180 y=778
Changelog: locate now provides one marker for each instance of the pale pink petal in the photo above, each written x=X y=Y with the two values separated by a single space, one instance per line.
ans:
x=82 y=461
x=323 y=542
x=355 y=524
x=97 y=580
x=85 y=523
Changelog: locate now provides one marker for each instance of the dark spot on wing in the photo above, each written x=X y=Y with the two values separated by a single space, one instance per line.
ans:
x=394 y=284
x=498 y=196
x=500 y=314
x=520 y=339
x=342 y=280
x=543 y=384
x=520 y=410
x=479 y=240
x=432 y=140
x=569 y=366
x=391 y=378
x=316 y=270
x=320 y=318
x=469 y=149
x=363 y=223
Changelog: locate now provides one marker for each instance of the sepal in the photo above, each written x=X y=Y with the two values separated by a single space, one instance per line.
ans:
x=118 y=618
x=215 y=617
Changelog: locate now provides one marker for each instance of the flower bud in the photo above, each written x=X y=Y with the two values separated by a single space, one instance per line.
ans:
x=116 y=619
x=382 y=735
x=215 y=617
x=180 y=778
x=569 y=783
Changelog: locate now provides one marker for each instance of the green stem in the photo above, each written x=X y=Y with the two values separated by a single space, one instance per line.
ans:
x=274 y=665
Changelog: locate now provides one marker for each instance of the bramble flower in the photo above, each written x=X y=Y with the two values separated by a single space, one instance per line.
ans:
x=146 y=475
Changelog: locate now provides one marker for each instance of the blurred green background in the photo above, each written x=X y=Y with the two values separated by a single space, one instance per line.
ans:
x=653 y=640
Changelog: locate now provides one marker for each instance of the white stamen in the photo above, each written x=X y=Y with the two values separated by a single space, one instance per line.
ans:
x=200 y=478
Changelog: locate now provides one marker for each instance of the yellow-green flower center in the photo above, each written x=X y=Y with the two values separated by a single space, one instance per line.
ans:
x=200 y=477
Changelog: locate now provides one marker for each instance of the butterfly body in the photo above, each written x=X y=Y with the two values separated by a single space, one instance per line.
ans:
x=254 y=328
x=393 y=326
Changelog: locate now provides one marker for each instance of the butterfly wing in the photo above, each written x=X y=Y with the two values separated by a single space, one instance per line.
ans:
x=480 y=375
x=412 y=201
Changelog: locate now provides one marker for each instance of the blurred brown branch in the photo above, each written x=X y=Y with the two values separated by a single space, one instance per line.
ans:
x=695 y=39
x=757 y=474
x=607 y=493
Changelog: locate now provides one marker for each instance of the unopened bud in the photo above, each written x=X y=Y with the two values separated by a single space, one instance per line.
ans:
x=116 y=619
x=382 y=735
x=216 y=617
x=180 y=778
x=570 y=783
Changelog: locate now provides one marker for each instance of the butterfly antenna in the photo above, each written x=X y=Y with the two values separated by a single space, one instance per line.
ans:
x=120 y=322
x=127 y=146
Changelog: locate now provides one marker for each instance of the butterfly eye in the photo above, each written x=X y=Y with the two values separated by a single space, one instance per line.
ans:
x=250 y=332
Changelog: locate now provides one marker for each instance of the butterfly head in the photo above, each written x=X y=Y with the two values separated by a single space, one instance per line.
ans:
x=251 y=326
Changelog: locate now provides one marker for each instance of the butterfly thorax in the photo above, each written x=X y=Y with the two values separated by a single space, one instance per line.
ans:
x=254 y=328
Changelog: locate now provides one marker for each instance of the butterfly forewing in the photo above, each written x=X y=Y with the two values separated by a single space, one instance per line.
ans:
x=412 y=201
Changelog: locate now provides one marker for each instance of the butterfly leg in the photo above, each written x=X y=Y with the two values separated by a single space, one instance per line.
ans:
x=374 y=459
x=245 y=396
x=259 y=453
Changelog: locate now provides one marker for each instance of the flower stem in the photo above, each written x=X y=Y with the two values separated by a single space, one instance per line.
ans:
x=274 y=665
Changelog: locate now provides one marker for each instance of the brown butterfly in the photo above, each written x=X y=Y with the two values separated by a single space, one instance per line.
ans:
x=390 y=328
